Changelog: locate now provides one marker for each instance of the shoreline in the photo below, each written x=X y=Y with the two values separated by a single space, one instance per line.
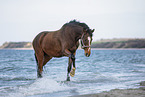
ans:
x=79 y=49
x=118 y=48
x=16 y=48
x=118 y=93
x=131 y=92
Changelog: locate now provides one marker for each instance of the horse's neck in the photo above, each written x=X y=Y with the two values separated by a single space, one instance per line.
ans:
x=70 y=37
x=67 y=39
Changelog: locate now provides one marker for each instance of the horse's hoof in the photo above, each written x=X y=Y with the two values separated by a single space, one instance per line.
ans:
x=72 y=73
x=68 y=79
x=39 y=75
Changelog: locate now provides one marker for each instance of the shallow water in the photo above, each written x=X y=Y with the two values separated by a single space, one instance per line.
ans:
x=102 y=71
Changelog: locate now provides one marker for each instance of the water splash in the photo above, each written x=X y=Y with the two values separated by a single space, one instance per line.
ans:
x=44 y=85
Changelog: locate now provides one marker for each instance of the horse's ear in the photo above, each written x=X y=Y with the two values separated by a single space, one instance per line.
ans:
x=92 y=30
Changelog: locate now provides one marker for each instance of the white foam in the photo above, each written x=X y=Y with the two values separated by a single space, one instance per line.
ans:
x=40 y=86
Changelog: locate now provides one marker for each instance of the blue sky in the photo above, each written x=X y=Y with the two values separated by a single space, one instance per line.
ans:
x=22 y=20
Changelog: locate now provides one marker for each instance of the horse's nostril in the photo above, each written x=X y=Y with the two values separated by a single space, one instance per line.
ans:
x=86 y=54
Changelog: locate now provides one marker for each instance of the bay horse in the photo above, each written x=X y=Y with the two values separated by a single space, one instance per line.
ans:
x=63 y=42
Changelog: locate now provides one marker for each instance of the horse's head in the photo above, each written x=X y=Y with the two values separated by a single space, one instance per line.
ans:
x=86 y=41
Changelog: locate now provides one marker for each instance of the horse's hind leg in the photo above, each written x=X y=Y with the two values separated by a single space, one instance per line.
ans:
x=40 y=63
x=38 y=73
x=46 y=59
x=39 y=59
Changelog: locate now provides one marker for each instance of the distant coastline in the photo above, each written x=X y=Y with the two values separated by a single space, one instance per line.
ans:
x=122 y=43
x=17 y=45
x=16 y=48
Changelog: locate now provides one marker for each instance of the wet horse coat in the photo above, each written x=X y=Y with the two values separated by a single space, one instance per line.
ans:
x=63 y=42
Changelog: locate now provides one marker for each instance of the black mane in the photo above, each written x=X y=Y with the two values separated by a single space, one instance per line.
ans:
x=85 y=26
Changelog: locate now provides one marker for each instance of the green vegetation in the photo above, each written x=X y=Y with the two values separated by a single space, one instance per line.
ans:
x=119 y=43
x=103 y=43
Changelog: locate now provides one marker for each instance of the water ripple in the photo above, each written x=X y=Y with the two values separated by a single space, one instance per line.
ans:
x=103 y=70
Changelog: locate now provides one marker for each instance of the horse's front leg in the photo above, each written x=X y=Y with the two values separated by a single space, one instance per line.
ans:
x=71 y=60
x=71 y=72
x=69 y=68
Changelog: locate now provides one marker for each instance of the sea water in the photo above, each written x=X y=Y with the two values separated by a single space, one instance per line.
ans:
x=102 y=71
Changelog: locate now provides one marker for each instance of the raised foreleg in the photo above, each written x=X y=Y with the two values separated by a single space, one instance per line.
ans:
x=70 y=70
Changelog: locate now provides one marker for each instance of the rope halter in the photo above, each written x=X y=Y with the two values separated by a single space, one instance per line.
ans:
x=83 y=45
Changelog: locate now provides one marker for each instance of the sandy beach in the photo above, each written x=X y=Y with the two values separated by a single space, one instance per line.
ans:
x=140 y=92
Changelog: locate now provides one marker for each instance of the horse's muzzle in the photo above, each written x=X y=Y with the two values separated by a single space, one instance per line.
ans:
x=87 y=55
x=87 y=52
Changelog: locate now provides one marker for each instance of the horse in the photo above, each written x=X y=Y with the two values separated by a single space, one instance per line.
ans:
x=63 y=42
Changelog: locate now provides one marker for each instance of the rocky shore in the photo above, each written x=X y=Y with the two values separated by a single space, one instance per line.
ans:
x=140 y=92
